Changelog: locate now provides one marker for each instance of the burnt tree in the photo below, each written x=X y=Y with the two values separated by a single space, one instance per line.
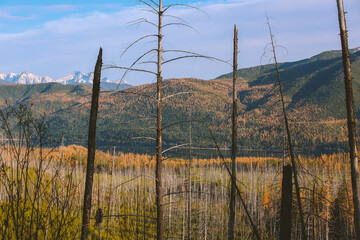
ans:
x=351 y=122
x=91 y=149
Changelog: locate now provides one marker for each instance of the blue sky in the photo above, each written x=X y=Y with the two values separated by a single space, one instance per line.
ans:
x=55 y=38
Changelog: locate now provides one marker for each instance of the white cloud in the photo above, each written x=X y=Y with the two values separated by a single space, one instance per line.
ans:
x=7 y=16
x=71 y=43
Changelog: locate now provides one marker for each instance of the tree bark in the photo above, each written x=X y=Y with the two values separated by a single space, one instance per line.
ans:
x=286 y=202
x=91 y=148
x=350 y=117
x=234 y=142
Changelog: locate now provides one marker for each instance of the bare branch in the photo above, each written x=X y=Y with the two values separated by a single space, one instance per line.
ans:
x=154 y=3
x=130 y=69
x=175 y=17
x=148 y=10
x=148 y=138
x=195 y=56
x=142 y=20
x=180 y=24
x=138 y=40
x=147 y=62
x=265 y=51
x=198 y=55
x=137 y=60
x=149 y=5
x=114 y=188
x=174 y=147
x=166 y=7
x=176 y=94
x=137 y=93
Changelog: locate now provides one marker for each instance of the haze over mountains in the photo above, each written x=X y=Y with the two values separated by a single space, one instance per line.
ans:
x=313 y=88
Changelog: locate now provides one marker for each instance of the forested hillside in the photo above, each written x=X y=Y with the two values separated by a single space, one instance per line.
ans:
x=313 y=88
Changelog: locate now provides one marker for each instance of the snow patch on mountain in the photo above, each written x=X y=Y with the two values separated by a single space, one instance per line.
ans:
x=76 y=78
x=30 y=78
x=25 y=78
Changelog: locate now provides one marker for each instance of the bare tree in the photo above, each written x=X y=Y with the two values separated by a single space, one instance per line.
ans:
x=90 y=168
x=189 y=189
x=158 y=9
x=159 y=99
x=289 y=140
x=351 y=122
x=234 y=142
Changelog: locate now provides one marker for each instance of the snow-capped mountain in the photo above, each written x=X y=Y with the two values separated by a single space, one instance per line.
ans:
x=25 y=78
x=30 y=78
x=79 y=78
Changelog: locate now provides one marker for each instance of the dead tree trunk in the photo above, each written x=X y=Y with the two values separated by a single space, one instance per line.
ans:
x=286 y=202
x=234 y=142
x=289 y=140
x=241 y=199
x=350 y=118
x=189 y=182
x=158 y=170
x=91 y=149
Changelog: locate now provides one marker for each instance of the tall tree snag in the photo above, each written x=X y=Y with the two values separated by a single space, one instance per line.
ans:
x=157 y=8
x=159 y=98
x=288 y=134
x=234 y=142
x=91 y=149
x=189 y=182
x=350 y=117
x=241 y=199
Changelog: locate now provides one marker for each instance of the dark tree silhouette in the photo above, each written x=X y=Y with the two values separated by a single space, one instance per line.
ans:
x=351 y=122
x=91 y=148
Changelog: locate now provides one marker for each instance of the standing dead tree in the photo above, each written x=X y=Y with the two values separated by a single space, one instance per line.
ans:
x=90 y=168
x=159 y=99
x=159 y=10
x=234 y=142
x=286 y=202
x=351 y=122
x=189 y=182
x=289 y=139
x=241 y=199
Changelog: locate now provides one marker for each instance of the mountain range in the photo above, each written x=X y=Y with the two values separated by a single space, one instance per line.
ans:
x=73 y=79
x=313 y=88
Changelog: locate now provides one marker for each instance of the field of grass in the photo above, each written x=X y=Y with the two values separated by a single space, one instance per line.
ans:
x=41 y=196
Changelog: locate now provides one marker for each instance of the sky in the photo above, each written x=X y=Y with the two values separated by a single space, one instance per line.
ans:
x=57 y=37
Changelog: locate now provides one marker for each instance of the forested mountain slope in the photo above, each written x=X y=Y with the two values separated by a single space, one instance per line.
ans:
x=313 y=87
